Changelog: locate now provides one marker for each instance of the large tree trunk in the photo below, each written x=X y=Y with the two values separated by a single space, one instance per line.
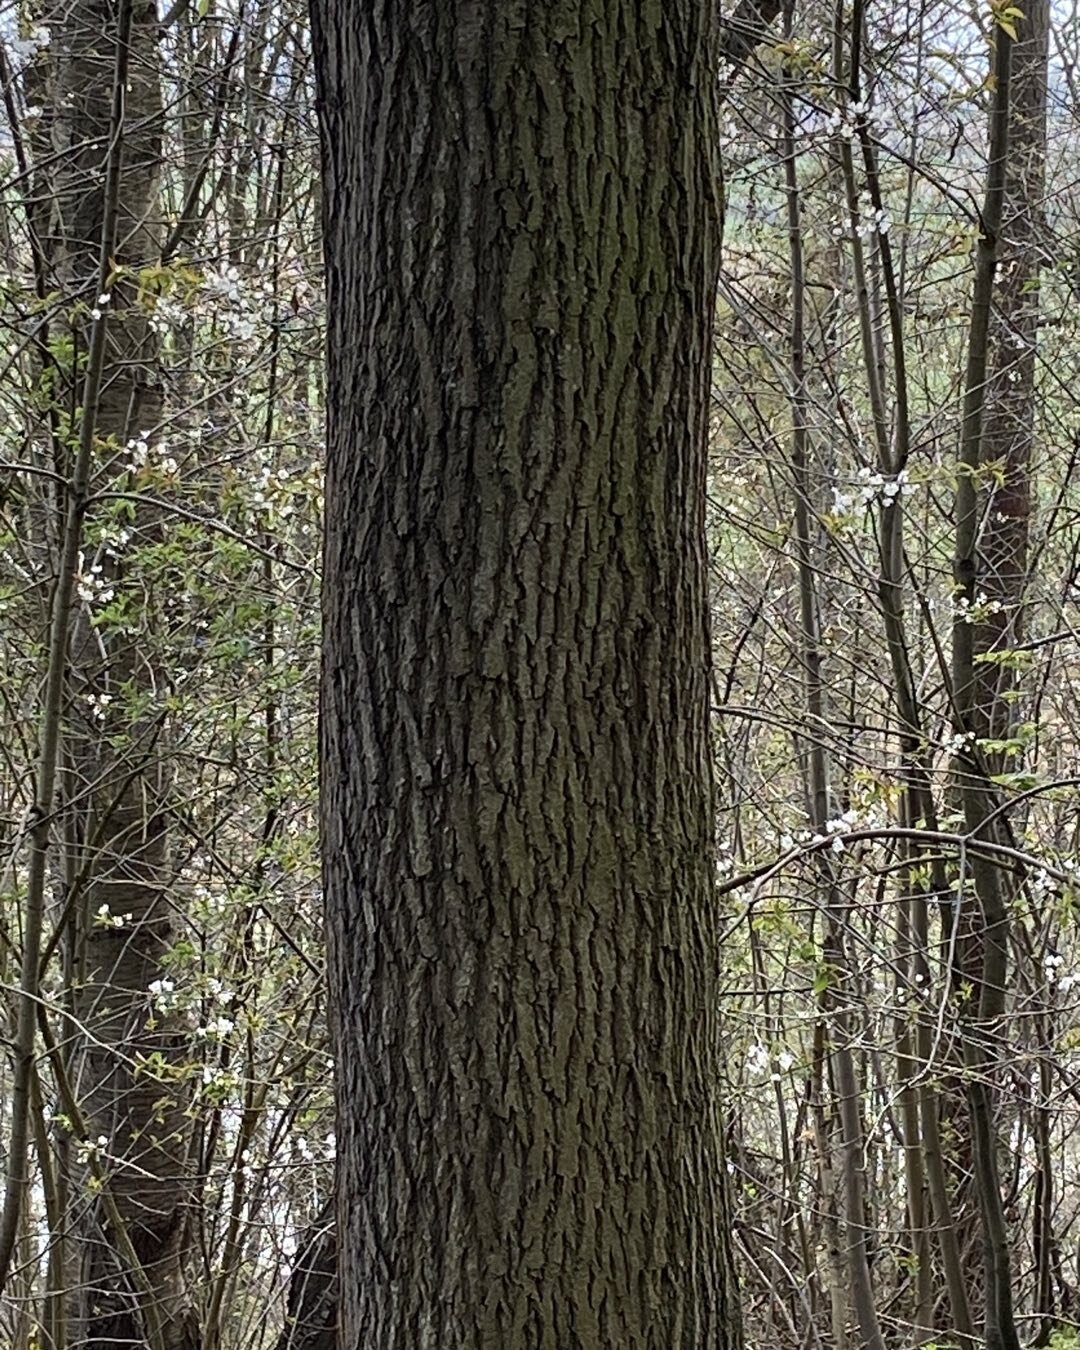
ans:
x=125 y=1070
x=522 y=221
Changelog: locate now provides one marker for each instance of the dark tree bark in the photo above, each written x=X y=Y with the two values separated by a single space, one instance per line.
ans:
x=1009 y=428
x=982 y=903
x=118 y=773
x=1004 y=503
x=522 y=221
x=312 y=1315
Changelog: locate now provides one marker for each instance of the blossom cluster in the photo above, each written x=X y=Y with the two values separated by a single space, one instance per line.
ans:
x=974 y=611
x=145 y=458
x=105 y=918
x=843 y=121
x=92 y=586
x=834 y=829
x=759 y=1061
x=871 y=485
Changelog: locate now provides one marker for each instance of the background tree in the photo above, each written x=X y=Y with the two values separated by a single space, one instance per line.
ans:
x=178 y=1109
x=887 y=296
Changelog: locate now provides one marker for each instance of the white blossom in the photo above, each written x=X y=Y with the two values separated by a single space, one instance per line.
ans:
x=216 y=1029
x=757 y=1059
x=89 y=1149
x=105 y=918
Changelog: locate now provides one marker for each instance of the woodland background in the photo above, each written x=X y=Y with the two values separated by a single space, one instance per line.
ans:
x=844 y=485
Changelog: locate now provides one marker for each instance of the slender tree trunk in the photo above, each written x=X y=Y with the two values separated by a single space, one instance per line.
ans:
x=830 y=1195
x=1006 y=496
x=982 y=889
x=892 y=434
x=1009 y=419
x=118 y=777
x=840 y=1032
x=521 y=223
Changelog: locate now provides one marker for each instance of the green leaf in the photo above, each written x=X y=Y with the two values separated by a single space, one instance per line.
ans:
x=1019 y=659
x=822 y=979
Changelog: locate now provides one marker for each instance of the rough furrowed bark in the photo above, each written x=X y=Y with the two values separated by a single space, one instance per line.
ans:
x=521 y=231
